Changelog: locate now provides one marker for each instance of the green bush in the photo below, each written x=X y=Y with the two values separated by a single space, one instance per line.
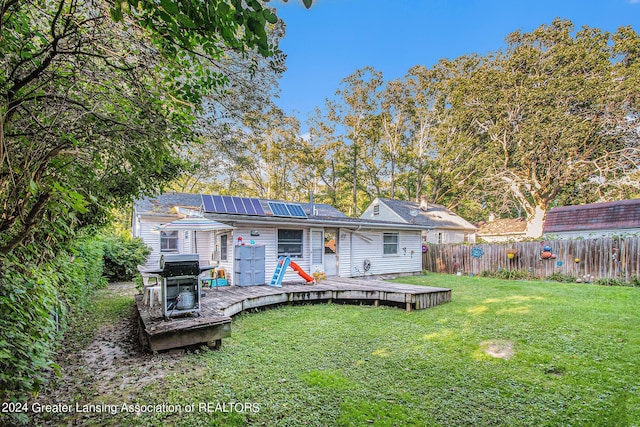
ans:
x=34 y=309
x=28 y=307
x=509 y=274
x=559 y=277
x=611 y=281
x=122 y=255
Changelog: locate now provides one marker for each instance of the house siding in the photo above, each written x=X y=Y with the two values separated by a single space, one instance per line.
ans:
x=384 y=214
x=449 y=236
x=269 y=238
x=147 y=230
x=405 y=261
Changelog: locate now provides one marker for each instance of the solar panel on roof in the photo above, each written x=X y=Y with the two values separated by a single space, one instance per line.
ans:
x=239 y=205
x=228 y=204
x=248 y=206
x=232 y=205
x=207 y=202
x=219 y=204
x=258 y=207
x=279 y=209
x=296 y=210
x=290 y=210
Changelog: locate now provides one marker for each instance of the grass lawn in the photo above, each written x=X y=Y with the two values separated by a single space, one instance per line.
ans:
x=561 y=354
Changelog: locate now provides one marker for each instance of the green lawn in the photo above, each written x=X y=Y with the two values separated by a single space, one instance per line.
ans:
x=574 y=361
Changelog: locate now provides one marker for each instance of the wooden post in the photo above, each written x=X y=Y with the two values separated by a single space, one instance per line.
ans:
x=215 y=345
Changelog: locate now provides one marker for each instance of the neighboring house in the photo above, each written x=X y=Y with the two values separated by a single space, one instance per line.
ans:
x=593 y=220
x=439 y=224
x=317 y=237
x=502 y=230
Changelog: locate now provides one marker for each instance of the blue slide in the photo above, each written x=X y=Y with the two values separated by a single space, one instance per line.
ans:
x=281 y=269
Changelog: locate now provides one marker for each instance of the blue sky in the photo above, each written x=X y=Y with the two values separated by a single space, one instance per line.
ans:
x=335 y=37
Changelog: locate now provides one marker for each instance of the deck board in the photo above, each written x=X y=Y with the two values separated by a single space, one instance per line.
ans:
x=219 y=305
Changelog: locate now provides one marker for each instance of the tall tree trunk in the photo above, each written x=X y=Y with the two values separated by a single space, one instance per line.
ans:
x=354 y=207
x=535 y=222
x=393 y=178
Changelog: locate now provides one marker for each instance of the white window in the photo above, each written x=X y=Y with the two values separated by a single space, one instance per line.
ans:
x=390 y=243
x=168 y=241
x=290 y=243
x=440 y=237
x=376 y=209
x=223 y=247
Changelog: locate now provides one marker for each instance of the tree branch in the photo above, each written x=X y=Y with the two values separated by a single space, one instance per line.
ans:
x=32 y=219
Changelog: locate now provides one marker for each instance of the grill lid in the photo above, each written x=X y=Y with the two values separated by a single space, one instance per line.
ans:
x=172 y=258
x=180 y=265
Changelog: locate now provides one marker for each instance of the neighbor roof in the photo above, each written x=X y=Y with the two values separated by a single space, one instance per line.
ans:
x=436 y=216
x=595 y=216
x=502 y=226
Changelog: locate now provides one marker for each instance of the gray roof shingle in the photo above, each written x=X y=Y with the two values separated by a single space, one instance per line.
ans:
x=436 y=216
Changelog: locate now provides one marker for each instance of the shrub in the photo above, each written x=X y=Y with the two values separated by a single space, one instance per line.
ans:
x=34 y=309
x=509 y=274
x=122 y=255
x=559 y=277
x=610 y=281
x=27 y=330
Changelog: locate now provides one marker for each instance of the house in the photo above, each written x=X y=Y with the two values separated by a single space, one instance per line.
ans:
x=439 y=224
x=502 y=230
x=593 y=220
x=318 y=237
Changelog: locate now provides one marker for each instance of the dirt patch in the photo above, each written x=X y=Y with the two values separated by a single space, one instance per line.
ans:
x=498 y=349
x=112 y=367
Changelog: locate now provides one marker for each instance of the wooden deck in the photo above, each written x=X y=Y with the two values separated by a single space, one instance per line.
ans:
x=219 y=305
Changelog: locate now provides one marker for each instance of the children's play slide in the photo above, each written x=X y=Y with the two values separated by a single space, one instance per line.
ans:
x=301 y=272
x=281 y=268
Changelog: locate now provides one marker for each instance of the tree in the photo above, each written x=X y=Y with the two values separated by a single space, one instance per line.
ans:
x=394 y=122
x=93 y=112
x=552 y=110
x=325 y=144
x=84 y=123
x=96 y=99
x=230 y=117
x=355 y=110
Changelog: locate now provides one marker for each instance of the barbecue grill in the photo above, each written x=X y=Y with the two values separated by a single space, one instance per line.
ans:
x=180 y=289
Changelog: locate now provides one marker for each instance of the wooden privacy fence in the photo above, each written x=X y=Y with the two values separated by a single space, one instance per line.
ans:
x=614 y=257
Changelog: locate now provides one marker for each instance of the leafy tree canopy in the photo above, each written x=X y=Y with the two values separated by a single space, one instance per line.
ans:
x=555 y=109
x=96 y=99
